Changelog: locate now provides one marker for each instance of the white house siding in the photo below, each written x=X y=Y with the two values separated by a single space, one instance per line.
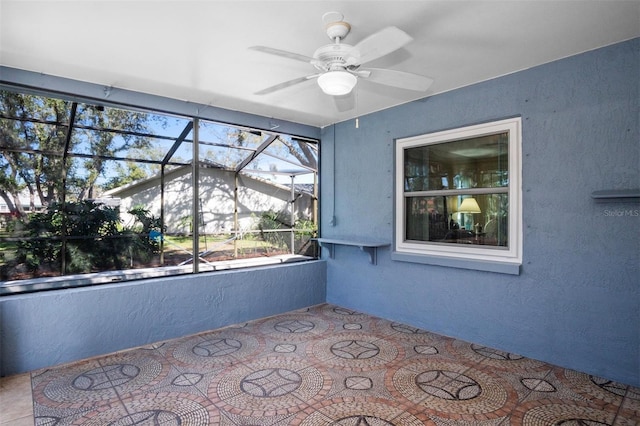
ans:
x=216 y=198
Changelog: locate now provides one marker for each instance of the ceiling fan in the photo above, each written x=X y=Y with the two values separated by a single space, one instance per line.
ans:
x=339 y=64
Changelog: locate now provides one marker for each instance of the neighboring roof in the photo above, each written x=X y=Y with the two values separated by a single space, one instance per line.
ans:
x=179 y=170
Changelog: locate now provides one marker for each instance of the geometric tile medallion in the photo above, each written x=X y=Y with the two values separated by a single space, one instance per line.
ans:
x=293 y=327
x=89 y=383
x=355 y=351
x=268 y=387
x=214 y=350
x=450 y=388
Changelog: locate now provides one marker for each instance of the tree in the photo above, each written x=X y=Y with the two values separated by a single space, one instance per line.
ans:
x=34 y=131
x=302 y=151
x=131 y=171
x=124 y=174
x=32 y=141
x=110 y=132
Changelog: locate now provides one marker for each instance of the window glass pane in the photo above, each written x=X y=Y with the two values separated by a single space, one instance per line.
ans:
x=226 y=146
x=30 y=136
x=220 y=156
x=481 y=220
x=173 y=148
x=285 y=157
x=113 y=132
x=471 y=163
x=34 y=108
x=294 y=151
x=98 y=143
x=31 y=181
x=273 y=168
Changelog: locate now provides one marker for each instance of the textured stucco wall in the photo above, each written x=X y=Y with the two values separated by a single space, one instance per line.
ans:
x=44 y=329
x=575 y=302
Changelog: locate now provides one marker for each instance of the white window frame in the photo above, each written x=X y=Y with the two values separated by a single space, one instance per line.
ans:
x=423 y=251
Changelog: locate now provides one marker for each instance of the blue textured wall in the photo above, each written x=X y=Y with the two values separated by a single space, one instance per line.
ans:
x=576 y=302
x=44 y=329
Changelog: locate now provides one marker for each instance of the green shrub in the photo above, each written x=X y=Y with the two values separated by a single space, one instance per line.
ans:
x=92 y=236
x=305 y=230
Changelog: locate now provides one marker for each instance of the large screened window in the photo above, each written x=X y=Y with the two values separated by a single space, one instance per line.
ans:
x=93 y=193
x=458 y=193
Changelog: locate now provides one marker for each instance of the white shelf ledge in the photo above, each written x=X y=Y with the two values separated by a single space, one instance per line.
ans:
x=616 y=195
x=368 y=246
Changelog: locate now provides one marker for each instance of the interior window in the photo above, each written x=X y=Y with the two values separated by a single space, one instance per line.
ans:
x=457 y=192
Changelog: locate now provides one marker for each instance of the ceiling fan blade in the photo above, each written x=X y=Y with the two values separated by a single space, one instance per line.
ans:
x=378 y=45
x=400 y=79
x=364 y=73
x=285 y=84
x=283 y=53
x=345 y=103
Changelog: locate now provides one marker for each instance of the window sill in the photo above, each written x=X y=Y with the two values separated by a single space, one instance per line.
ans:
x=453 y=262
x=84 y=280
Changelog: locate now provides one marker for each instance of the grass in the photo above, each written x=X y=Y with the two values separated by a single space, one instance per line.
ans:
x=7 y=251
x=210 y=241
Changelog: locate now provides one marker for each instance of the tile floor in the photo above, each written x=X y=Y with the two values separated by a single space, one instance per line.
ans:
x=319 y=366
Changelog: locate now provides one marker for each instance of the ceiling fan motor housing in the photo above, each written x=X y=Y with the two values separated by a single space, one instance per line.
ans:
x=333 y=56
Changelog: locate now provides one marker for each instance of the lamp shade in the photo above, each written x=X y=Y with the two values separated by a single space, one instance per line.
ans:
x=469 y=205
x=337 y=83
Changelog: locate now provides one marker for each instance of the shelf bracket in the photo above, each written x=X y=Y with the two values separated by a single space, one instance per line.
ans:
x=369 y=247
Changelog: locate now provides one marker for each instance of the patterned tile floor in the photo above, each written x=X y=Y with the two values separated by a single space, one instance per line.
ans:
x=324 y=366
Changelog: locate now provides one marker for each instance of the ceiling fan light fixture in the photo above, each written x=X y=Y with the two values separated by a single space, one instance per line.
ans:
x=337 y=83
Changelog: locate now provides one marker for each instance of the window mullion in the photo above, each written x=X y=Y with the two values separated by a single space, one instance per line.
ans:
x=469 y=191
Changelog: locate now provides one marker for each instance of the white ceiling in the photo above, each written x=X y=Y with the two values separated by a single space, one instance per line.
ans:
x=198 y=50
